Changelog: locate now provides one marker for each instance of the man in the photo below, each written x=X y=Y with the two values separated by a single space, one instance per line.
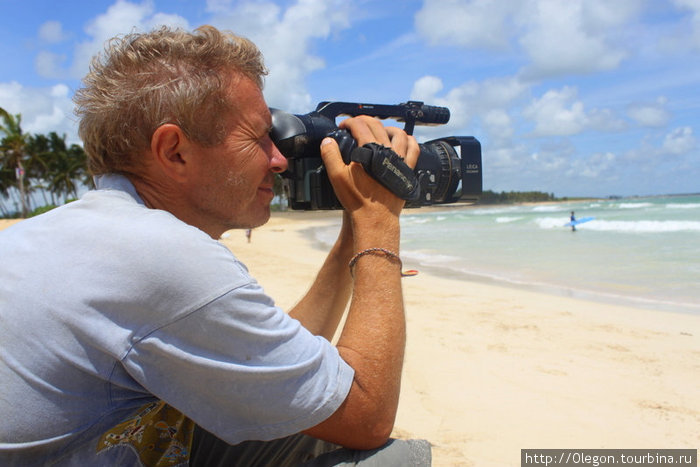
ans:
x=131 y=336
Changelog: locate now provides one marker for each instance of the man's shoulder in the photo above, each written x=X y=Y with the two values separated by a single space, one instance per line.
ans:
x=116 y=238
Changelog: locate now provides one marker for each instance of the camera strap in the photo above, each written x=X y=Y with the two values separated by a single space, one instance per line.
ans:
x=389 y=169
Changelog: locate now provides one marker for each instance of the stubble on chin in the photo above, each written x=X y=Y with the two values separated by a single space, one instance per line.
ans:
x=240 y=216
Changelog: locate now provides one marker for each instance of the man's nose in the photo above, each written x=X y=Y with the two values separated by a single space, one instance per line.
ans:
x=278 y=163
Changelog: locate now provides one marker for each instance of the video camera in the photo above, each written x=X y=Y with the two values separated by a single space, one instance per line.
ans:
x=437 y=178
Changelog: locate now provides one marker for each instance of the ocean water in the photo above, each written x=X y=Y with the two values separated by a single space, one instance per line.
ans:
x=638 y=251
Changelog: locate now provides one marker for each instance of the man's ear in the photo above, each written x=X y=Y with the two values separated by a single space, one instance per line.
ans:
x=169 y=146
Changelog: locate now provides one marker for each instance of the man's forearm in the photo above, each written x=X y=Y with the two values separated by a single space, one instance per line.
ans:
x=374 y=336
x=322 y=308
x=372 y=342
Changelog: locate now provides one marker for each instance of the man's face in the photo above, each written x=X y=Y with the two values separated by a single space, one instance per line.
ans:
x=235 y=178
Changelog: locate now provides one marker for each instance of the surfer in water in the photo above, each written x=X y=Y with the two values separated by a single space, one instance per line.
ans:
x=573 y=222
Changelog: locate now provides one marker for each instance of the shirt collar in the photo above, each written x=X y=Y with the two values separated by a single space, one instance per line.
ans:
x=118 y=182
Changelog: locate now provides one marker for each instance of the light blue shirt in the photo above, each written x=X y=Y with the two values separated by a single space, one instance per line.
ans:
x=106 y=304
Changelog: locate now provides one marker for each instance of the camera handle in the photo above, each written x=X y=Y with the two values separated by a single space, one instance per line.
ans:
x=380 y=162
x=411 y=112
x=389 y=169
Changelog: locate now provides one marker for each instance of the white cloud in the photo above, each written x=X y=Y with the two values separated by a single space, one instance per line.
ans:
x=476 y=23
x=121 y=18
x=52 y=32
x=459 y=100
x=557 y=113
x=575 y=36
x=426 y=88
x=605 y=120
x=471 y=98
x=49 y=65
x=43 y=110
x=9 y=96
x=286 y=39
x=650 y=114
x=679 y=141
x=562 y=113
x=571 y=37
x=694 y=7
x=594 y=167
x=548 y=161
x=499 y=127
x=651 y=152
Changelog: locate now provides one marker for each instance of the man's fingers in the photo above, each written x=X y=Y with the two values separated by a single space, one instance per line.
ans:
x=370 y=130
x=366 y=130
x=412 y=152
x=330 y=153
x=399 y=140
x=404 y=145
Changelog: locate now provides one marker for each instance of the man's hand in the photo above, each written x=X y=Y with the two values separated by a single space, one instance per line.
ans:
x=357 y=191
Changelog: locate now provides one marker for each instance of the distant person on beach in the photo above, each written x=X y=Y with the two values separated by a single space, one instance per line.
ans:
x=131 y=336
x=573 y=222
x=248 y=234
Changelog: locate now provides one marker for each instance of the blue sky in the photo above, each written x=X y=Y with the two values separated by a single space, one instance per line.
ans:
x=571 y=97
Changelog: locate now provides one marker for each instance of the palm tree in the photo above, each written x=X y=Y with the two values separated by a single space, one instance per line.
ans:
x=13 y=154
x=61 y=167
x=7 y=181
x=39 y=162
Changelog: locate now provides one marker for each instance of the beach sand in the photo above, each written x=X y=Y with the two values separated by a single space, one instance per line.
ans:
x=491 y=370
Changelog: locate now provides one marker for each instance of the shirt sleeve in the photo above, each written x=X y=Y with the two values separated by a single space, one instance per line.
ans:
x=242 y=369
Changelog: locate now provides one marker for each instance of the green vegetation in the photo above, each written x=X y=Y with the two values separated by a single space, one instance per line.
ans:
x=41 y=164
x=512 y=197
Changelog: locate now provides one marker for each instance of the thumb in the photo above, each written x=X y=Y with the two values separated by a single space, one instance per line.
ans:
x=330 y=153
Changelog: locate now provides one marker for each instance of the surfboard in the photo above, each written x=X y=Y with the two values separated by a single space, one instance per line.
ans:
x=579 y=221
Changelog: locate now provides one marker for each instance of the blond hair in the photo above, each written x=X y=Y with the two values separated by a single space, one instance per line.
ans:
x=145 y=80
